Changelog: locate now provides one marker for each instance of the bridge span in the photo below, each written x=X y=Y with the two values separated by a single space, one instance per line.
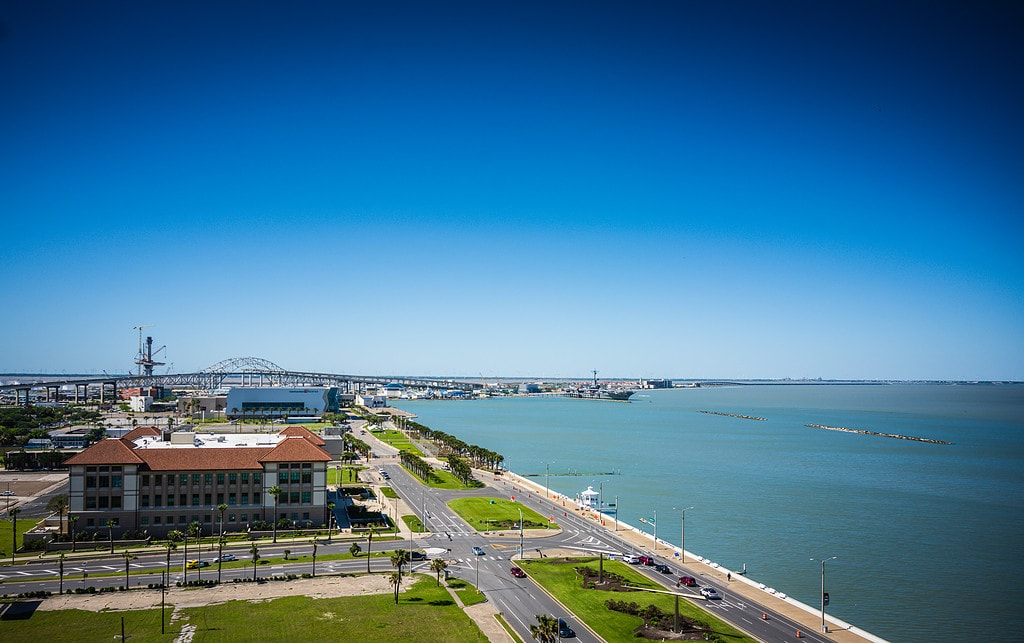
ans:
x=238 y=371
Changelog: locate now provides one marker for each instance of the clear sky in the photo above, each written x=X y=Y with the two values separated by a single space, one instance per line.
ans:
x=681 y=189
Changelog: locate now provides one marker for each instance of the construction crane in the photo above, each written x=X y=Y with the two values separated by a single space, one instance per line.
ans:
x=145 y=358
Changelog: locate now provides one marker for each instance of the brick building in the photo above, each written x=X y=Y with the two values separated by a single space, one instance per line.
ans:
x=156 y=481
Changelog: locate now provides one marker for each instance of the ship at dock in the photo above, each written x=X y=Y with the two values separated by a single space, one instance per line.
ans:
x=598 y=391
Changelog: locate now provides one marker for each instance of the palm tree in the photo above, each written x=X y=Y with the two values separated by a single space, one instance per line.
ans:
x=110 y=532
x=255 y=551
x=127 y=557
x=315 y=543
x=60 y=562
x=72 y=524
x=220 y=554
x=437 y=566
x=222 y=508
x=369 y=546
x=59 y=503
x=276 y=492
x=399 y=558
x=330 y=520
x=396 y=579
x=171 y=545
x=13 y=513
x=196 y=531
x=546 y=630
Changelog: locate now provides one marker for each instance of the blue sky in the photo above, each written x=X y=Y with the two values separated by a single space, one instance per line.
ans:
x=650 y=189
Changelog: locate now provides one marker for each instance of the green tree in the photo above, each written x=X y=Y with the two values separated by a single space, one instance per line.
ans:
x=72 y=527
x=396 y=579
x=276 y=492
x=330 y=520
x=60 y=564
x=355 y=549
x=59 y=504
x=13 y=513
x=127 y=557
x=437 y=566
x=546 y=629
x=255 y=551
x=110 y=532
x=171 y=545
x=369 y=546
x=399 y=558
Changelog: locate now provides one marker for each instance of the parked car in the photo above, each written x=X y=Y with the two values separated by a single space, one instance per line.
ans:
x=709 y=593
x=7 y=493
x=225 y=558
x=478 y=551
x=517 y=572
x=689 y=581
x=564 y=631
x=646 y=560
x=631 y=559
x=664 y=569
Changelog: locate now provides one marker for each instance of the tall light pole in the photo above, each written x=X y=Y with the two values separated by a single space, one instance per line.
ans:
x=547 y=475
x=682 y=536
x=520 y=533
x=616 y=513
x=655 y=529
x=824 y=628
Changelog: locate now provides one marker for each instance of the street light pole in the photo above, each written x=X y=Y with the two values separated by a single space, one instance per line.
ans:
x=616 y=513
x=521 y=555
x=682 y=537
x=824 y=628
x=547 y=476
x=655 y=530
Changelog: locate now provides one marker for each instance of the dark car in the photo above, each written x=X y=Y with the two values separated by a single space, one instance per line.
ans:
x=478 y=551
x=564 y=631
x=664 y=569
x=517 y=572
x=689 y=581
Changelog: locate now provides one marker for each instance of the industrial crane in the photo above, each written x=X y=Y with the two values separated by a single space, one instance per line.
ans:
x=145 y=359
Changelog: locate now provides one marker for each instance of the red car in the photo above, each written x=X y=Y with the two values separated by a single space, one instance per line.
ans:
x=689 y=581
x=518 y=573
x=647 y=560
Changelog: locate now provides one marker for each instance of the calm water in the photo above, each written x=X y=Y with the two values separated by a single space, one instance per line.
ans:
x=928 y=536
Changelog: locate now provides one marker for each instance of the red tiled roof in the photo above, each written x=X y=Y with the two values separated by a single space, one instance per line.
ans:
x=296 y=449
x=203 y=459
x=108 y=451
x=303 y=432
x=141 y=432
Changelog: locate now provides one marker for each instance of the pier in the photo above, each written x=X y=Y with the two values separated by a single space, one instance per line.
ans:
x=884 y=435
x=734 y=415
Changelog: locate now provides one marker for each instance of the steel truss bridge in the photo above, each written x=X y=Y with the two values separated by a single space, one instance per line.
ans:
x=237 y=371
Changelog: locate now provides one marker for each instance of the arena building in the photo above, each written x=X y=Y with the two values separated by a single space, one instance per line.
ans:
x=275 y=402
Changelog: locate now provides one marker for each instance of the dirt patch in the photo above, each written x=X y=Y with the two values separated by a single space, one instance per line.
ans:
x=326 y=587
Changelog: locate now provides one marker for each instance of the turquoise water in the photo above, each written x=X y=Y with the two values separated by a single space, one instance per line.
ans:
x=927 y=536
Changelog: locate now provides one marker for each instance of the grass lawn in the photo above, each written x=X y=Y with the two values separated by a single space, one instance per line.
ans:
x=468 y=594
x=559 y=577
x=79 y=625
x=414 y=524
x=398 y=440
x=24 y=524
x=388 y=492
x=441 y=479
x=348 y=473
x=486 y=514
x=424 y=612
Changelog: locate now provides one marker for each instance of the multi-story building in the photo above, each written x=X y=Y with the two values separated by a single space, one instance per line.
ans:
x=156 y=481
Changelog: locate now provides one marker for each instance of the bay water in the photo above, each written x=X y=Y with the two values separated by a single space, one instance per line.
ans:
x=928 y=537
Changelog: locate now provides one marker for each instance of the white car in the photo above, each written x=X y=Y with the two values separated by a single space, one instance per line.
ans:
x=709 y=593
x=225 y=558
x=6 y=493
x=631 y=559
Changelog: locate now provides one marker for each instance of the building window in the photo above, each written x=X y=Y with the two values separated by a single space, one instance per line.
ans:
x=307 y=497
x=158 y=500
x=90 y=482
x=220 y=498
x=232 y=478
x=104 y=502
x=182 y=520
x=257 y=478
x=208 y=478
x=90 y=503
x=170 y=500
x=158 y=479
x=116 y=479
x=293 y=498
x=245 y=478
x=231 y=517
x=245 y=517
x=145 y=501
x=145 y=481
x=220 y=478
x=245 y=498
x=232 y=500
x=157 y=520
x=183 y=479
x=307 y=477
x=115 y=502
x=195 y=500
x=104 y=482
x=295 y=476
x=145 y=521
x=89 y=522
x=207 y=499
x=195 y=478
x=182 y=500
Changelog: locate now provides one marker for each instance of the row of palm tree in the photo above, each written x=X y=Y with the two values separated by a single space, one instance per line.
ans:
x=416 y=464
x=449 y=444
x=460 y=468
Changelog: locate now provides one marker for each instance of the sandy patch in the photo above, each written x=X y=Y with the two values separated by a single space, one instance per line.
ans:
x=326 y=587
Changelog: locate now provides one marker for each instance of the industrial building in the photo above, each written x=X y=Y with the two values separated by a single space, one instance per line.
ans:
x=155 y=481
x=275 y=402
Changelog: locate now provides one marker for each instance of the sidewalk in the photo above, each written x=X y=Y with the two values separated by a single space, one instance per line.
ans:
x=808 y=617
